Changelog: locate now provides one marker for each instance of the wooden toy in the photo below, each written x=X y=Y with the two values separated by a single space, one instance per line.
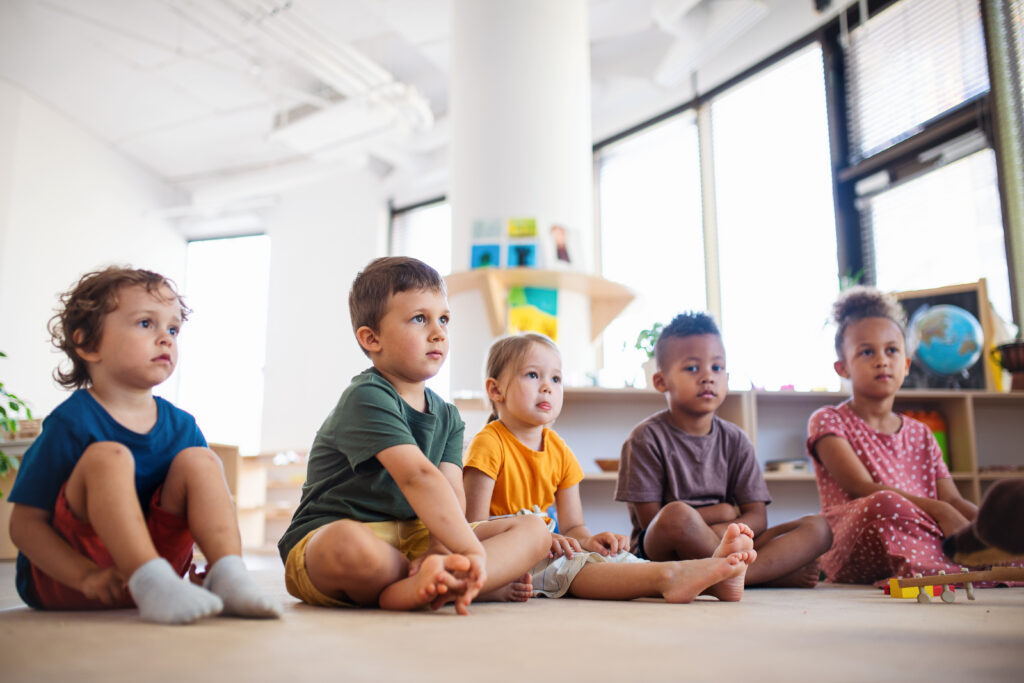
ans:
x=912 y=588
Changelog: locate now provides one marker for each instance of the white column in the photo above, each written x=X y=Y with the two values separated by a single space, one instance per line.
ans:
x=521 y=147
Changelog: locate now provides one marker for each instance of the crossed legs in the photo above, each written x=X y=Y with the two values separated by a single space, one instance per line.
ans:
x=786 y=554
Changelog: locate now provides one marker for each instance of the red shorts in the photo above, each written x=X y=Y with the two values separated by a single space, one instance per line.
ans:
x=169 y=532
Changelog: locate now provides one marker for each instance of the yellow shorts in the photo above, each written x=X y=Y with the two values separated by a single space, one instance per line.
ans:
x=409 y=537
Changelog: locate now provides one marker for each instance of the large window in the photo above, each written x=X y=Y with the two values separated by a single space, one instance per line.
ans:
x=773 y=231
x=223 y=344
x=776 y=226
x=424 y=232
x=942 y=228
x=920 y=167
x=651 y=235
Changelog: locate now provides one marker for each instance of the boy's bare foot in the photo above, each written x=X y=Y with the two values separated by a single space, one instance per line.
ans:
x=737 y=538
x=436 y=578
x=686 y=579
x=804 y=577
x=519 y=590
x=731 y=589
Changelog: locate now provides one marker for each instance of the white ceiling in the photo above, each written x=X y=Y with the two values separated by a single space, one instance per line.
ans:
x=198 y=91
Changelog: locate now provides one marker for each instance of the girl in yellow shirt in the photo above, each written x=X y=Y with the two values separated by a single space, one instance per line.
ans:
x=517 y=465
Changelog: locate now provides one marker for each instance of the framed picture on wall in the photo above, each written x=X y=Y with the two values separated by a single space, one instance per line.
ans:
x=949 y=332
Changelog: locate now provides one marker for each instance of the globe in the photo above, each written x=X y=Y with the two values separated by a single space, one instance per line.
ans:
x=945 y=339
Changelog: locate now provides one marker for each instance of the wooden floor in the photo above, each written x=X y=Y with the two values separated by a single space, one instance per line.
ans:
x=831 y=633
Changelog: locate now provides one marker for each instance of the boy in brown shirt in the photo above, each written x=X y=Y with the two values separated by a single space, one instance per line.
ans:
x=686 y=473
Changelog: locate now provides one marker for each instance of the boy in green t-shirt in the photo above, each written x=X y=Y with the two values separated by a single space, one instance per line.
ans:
x=382 y=516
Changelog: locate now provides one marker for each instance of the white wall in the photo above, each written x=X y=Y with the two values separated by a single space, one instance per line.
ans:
x=68 y=205
x=321 y=236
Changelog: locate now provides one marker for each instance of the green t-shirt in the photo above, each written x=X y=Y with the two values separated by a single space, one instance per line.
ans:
x=344 y=479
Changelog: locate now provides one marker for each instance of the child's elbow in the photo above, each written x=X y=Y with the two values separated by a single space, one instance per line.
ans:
x=20 y=526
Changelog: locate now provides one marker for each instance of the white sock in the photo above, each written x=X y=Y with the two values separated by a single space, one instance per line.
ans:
x=166 y=598
x=234 y=584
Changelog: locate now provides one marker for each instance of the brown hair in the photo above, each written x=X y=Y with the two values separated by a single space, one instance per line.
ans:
x=509 y=352
x=860 y=302
x=78 y=324
x=380 y=280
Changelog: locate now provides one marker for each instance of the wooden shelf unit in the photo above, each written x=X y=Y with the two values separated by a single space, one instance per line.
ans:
x=984 y=429
x=607 y=299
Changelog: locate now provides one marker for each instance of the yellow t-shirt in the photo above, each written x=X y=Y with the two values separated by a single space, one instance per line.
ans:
x=522 y=476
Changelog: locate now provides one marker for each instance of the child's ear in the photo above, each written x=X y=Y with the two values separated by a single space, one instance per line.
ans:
x=660 y=384
x=368 y=339
x=89 y=356
x=842 y=370
x=493 y=390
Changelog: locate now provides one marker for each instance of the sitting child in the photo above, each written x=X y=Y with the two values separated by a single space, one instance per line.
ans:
x=112 y=493
x=382 y=515
x=687 y=474
x=884 y=488
x=517 y=463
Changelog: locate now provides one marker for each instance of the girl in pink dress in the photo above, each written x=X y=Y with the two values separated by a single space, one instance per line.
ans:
x=884 y=488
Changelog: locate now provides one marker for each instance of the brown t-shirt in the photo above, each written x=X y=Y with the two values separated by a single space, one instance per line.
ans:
x=661 y=463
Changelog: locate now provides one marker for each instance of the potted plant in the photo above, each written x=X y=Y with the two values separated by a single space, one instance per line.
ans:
x=11 y=408
x=645 y=341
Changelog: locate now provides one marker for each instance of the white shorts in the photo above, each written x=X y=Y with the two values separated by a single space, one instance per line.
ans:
x=551 y=577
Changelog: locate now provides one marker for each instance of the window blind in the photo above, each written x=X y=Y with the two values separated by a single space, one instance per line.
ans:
x=907 y=65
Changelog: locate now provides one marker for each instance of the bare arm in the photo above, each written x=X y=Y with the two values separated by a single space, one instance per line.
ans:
x=837 y=456
x=645 y=512
x=570 y=514
x=453 y=473
x=948 y=492
x=719 y=513
x=32 y=532
x=754 y=515
x=431 y=496
x=479 y=488
x=571 y=524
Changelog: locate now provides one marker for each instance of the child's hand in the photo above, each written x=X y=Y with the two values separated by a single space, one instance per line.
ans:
x=474 y=578
x=564 y=545
x=606 y=543
x=949 y=519
x=104 y=584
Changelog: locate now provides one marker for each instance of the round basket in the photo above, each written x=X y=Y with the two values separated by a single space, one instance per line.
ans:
x=1011 y=356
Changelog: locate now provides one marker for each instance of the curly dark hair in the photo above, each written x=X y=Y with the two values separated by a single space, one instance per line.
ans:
x=78 y=324
x=684 y=325
x=380 y=280
x=860 y=302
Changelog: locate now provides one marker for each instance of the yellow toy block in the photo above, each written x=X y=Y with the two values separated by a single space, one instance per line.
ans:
x=911 y=591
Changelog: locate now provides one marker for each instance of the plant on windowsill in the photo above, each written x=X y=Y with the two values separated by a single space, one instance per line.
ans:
x=11 y=408
x=645 y=341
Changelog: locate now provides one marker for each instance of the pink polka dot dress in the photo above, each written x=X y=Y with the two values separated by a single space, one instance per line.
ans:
x=882 y=535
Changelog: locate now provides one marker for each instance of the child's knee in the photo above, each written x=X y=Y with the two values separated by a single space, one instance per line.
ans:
x=819 y=530
x=344 y=547
x=535 y=530
x=106 y=455
x=886 y=504
x=677 y=518
x=198 y=458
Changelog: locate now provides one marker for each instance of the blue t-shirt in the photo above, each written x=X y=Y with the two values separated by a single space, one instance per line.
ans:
x=71 y=428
